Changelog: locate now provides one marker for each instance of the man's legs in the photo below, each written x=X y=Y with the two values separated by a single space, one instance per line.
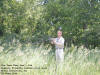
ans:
x=59 y=61
x=59 y=56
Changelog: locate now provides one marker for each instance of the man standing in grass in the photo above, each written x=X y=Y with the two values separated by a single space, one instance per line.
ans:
x=59 y=45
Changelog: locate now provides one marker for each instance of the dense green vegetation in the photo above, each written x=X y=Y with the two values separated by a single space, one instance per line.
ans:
x=33 y=20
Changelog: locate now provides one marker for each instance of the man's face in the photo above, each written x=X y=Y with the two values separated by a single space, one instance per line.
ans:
x=59 y=33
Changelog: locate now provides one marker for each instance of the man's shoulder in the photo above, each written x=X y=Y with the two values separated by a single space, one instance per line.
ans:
x=62 y=38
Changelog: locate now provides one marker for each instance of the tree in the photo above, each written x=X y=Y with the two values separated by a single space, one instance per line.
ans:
x=75 y=17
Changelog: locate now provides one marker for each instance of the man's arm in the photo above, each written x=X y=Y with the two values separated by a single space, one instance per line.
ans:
x=61 y=44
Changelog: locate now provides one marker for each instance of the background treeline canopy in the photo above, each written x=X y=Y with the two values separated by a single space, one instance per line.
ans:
x=34 y=20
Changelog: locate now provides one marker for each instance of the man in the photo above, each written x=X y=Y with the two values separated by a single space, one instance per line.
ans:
x=59 y=45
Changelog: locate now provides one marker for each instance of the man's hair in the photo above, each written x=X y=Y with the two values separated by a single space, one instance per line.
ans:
x=59 y=30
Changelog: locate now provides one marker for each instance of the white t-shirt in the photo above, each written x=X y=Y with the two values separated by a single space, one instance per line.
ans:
x=60 y=42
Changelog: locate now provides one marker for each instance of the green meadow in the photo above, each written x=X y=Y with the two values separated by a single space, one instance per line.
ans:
x=77 y=61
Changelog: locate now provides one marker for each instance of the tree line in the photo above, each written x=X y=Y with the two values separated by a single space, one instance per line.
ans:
x=33 y=20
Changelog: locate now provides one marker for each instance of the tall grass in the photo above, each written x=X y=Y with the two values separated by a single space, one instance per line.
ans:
x=77 y=61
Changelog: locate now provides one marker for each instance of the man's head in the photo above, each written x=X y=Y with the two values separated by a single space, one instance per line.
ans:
x=59 y=33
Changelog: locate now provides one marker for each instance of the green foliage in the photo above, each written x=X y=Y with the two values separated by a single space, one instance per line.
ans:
x=35 y=19
x=75 y=18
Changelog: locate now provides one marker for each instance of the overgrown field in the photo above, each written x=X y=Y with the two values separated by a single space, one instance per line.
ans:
x=78 y=61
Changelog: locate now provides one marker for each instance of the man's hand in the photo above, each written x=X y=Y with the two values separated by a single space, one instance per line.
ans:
x=52 y=42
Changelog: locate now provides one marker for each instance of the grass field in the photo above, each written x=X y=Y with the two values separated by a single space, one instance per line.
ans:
x=77 y=61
